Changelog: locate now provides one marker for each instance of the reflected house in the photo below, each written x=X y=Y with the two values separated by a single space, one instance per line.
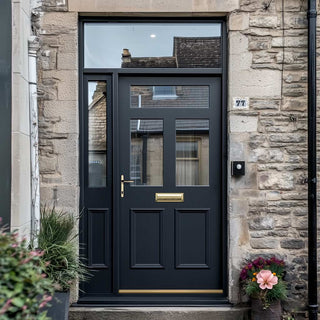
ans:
x=192 y=152
x=188 y=52
x=97 y=135
x=192 y=136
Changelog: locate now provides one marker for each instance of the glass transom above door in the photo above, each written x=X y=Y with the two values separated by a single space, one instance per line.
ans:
x=152 y=45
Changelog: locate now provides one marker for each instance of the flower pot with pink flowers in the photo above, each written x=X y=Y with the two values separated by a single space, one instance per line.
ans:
x=262 y=280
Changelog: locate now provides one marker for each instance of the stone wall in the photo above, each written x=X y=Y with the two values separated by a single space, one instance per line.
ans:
x=267 y=208
x=58 y=105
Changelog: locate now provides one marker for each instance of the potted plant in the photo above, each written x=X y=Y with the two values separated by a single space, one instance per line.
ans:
x=24 y=287
x=262 y=280
x=56 y=238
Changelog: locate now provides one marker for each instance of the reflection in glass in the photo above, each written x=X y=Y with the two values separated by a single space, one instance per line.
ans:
x=146 y=154
x=97 y=133
x=152 y=45
x=169 y=96
x=192 y=152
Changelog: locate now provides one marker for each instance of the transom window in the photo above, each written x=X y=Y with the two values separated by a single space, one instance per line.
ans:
x=152 y=45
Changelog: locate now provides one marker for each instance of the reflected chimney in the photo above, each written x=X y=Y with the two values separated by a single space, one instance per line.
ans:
x=126 y=55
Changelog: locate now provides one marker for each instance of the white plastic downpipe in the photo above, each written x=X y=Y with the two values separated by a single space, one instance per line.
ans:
x=33 y=110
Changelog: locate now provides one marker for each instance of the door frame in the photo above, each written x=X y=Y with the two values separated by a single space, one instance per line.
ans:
x=114 y=74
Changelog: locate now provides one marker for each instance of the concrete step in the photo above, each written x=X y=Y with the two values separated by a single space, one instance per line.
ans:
x=158 y=313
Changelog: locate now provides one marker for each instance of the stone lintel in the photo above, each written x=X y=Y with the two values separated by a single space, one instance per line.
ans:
x=149 y=6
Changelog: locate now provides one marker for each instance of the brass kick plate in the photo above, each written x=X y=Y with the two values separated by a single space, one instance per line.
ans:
x=172 y=291
x=169 y=197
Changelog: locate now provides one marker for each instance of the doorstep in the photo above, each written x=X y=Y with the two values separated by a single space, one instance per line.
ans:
x=159 y=313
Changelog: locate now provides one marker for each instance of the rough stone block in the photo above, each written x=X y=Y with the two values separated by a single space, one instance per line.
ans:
x=69 y=20
x=266 y=156
x=296 y=20
x=236 y=150
x=285 y=139
x=292 y=244
x=243 y=123
x=264 y=244
x=68 y=159
x=273 y=195
x=49 y=59
x=239 y=207
x=261 y=223
x=238 y=21
x=277 y=42
x=64 y=114
x=67 y=61
x=255 y=83
x=294 y=104
x=54 y=5
x=259 y=43
x=47 y=164
x=63 y=196
x=295 y=42
x=68 y=43
x=276 y=181
x=68 y=90
x=263 y=21
x=300 y=223
x=283 y=222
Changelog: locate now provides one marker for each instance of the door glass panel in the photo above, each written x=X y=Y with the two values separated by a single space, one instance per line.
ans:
x=169 y=96
x=146 y=154
x=97 y=133
x=192 y=152
x=152 y=45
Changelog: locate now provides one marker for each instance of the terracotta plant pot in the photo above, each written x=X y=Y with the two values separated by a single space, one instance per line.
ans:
x=272 y=313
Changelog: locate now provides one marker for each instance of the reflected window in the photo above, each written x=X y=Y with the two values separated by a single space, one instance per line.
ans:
x=164 y=92
x=169 y=96
x=192 y=152
x=146 y=152
x=97 y=134
x=152 y=45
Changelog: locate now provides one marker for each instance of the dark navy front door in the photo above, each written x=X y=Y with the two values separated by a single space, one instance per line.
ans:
x=170 y=215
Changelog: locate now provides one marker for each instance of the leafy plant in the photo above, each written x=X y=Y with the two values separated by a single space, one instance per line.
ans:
x=57 y=240
x=24 y=287
x=263 y=279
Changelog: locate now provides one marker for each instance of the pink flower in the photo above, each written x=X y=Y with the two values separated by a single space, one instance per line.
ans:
x=266 y=279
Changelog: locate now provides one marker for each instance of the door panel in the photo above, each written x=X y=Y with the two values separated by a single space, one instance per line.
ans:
x=146 y=226
x=170 y=142
x=192 y=238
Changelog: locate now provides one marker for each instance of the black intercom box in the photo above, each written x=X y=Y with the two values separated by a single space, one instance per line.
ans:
x=238 y=168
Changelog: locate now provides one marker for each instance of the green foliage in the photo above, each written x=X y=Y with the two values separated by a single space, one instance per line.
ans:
x=57 y=240
x=24 y=288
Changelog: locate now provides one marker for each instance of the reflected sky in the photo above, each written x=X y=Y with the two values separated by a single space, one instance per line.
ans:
x=104 y=42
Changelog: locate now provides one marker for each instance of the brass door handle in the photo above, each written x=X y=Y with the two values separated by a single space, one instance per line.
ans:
x=122 y=184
